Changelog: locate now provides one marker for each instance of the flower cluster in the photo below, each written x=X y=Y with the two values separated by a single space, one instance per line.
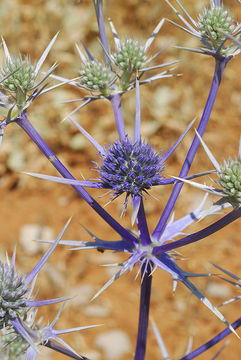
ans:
x=130 y=55
x=95 y=76
x=129 y=166
x=24 y=76
x=229 y=178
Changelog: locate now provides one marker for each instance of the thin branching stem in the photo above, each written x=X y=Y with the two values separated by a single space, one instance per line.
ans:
x=199 y=235
x=216 y=339
x=143 y=313
x=219 y=69
x=25 y=124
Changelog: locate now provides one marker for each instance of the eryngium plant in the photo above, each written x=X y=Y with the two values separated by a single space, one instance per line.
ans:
x=129 y=166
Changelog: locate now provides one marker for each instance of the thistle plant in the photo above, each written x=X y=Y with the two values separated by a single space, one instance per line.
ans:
x=129 y=166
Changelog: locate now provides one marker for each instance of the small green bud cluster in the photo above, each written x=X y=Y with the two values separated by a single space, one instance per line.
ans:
x=95 y=76
x=230 y=179
x=130 y=56
x=23 y=79
x=213 y=19
x=16 y=346
x=12 y=291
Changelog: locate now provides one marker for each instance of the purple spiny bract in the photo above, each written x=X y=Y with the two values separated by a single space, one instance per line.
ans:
x=131 y=167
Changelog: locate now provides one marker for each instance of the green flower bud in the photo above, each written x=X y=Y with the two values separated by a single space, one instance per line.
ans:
x=213 y=19
x=13 y=291
x=22 y=79
x=130 y=56
x=95 y=76
x=230 y=179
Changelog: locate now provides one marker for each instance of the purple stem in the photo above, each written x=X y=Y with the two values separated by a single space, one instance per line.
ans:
x=143 y=314
x=209 y=230
x=212 y=342
x=142 y=225
x=116 y=105
x=54 y=346
x=25 y=124
x=101 y=24
x=219 y=69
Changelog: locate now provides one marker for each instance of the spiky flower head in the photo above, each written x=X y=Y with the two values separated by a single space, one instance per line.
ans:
x=229 y=177
x=130 y=55
x=13 y=292
x=214 y=26
x=21 y=83
x=131 y=167
x=22 y=79
x=95 y=76
x=211 y=20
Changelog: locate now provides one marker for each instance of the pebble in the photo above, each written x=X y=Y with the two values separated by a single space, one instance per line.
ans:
x=81 y=295
x=106 y=258
x=220 y=291
x=114 y=344
x=96 y=310
x=31 y=232
x=16 y=160
x=78 y=142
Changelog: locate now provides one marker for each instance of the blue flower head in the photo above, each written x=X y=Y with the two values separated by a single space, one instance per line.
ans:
x=130 y=167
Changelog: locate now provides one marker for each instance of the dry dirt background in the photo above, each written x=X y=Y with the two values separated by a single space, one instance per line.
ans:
x=167 y=107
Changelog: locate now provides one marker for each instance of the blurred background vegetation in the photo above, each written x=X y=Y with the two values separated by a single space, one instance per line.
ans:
x=167 y=107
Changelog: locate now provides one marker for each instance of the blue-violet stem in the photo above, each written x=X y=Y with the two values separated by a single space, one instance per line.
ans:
x=54 y=346
x=219 y=69
x=143 y=313
x=199 y=235
x=212 y=342
x=25 y=124
x=142 y=225
x=101 y=24
x=116 y=105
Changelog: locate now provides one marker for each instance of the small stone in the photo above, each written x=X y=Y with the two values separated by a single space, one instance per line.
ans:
x=31 y=232
x=78 y=142
x=104 y=259
x=81 y=295
x=216 y=290
x=96 y=310
x=16 y=160
x=114 y=344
